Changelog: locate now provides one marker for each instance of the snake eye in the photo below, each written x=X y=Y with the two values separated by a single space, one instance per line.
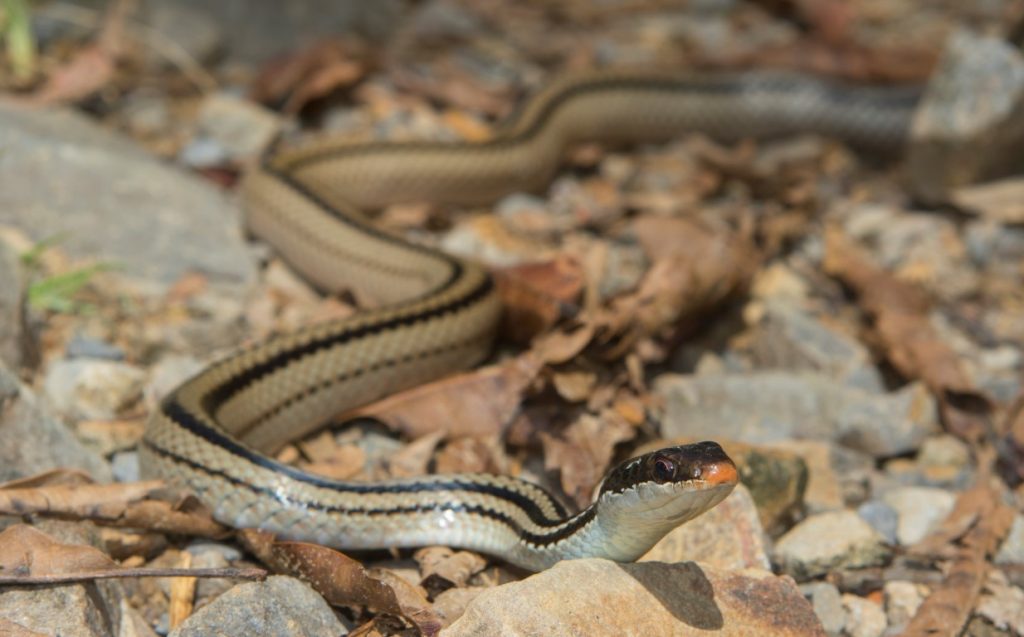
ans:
x=663 y=470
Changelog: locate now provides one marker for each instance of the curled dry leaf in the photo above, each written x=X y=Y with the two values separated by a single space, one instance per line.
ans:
x=312 y=73
x=479 y=402
x=535 y=296
x=900 y=319
x=29 y=556
x=584 y=450
x=970 y=534
x=473 y=454
x=132 y=504
x=443 y=568
x=343 y=581
x=574 y=386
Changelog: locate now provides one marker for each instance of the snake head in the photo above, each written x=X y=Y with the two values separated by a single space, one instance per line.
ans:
x=702 y=465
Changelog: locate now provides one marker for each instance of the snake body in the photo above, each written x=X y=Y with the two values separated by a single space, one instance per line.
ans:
x=438 y=314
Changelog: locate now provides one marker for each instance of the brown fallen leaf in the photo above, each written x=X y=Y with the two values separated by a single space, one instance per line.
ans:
x=442 y=568
x=535 y=296
x=574 y=385
x=29 y=556
x=91 y=68
x=53 y=477
x=343 y=581
x=899 y=312
x=315 y=72
x=413 y=458
x=473 y=454
x=562 y=345
x=583 y=452
x=479 y=402
x=979 y=522
x=120 y=504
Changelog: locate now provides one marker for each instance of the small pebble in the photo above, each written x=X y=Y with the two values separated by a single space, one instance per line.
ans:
x=920 y=510
x=827 y=604
x=827 y=541
x=901 y=601
x=864 y=618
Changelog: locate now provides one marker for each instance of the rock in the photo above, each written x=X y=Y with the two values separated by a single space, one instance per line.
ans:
x=598 y=597
x=786 y=338
x=32 y=440
x=1012 y=549
x=944 y=450
x=882 y=517
x=242 y=128
x=63 y=175
x=835 y=475
x=125 y=466
x=969 y=126
x=902 y=600
x=864 y=618
x=13 y=335
x=92 y=389
x=827 y=541
x=280 y=606
x=765 y=407
x=920 y=510
x=728 y=537
x=777 y=480
x=827 y=604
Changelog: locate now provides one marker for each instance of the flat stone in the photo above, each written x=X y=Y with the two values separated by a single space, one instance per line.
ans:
x=62 y=175
x=920 y=510
x=882 y=517
x=828 y=606
x=32 y=440
x=902 y=600
x=92 y=389
x=279 y=607
x=835 y=474
x=827 y=541
x=598 y=597
x=864 y=618
x=786 y=338
x=728 y=537
x=773 y=406
x=969 y=125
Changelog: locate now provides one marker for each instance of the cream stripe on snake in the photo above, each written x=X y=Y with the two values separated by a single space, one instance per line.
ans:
x=439 y=315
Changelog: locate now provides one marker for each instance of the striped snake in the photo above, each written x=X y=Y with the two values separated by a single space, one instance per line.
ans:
x=438 y=314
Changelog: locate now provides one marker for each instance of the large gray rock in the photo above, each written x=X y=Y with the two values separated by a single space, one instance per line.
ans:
x=827 y=541
x=32 y=440
x=62 y=175
x=970 y=124
x=765 y=407
x=279 y=607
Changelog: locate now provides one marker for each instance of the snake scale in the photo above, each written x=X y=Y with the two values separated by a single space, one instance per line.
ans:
x=438 y=314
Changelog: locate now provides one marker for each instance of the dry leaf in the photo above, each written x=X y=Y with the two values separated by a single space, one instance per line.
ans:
x=182 y=596
x=29 y=556
x=120 y=504
x=900 y=315
x=473 y=454
x=563 y=345
x=535 y=296
x=343 y=581
x=412 y=460
x=479 y=402
x=584 y=451
x=452 y=568
x=310 y=74
x=574 y=386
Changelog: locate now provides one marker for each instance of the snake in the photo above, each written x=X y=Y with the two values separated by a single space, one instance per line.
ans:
x=433 y=314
